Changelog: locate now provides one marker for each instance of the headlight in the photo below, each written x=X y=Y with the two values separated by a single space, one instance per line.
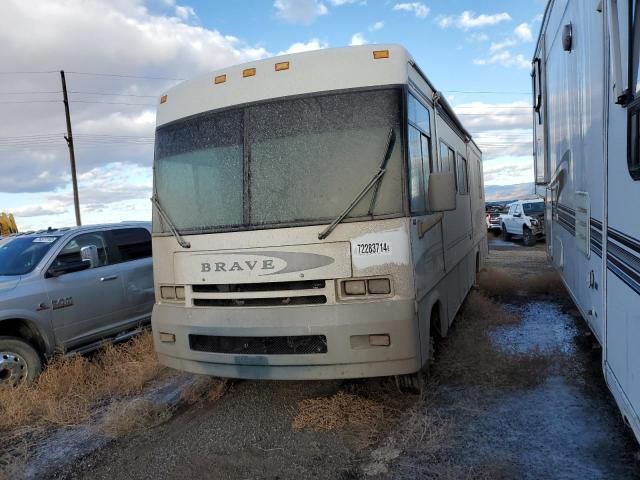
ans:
x=534 y=221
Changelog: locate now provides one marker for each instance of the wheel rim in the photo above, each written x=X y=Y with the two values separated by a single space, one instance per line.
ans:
x=13 y=369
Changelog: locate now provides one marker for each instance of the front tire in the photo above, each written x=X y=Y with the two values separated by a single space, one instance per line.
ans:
x=19 y=362
x=506 y=236
x=528 y=238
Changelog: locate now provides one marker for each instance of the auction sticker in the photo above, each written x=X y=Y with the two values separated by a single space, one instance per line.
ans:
x=365 y=249
x=44 y=239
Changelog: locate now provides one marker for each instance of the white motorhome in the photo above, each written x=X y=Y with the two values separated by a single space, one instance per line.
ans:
x=316 y=215
x=587 y=164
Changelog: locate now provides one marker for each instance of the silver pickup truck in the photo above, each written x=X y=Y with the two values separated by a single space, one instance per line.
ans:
x=69 y=290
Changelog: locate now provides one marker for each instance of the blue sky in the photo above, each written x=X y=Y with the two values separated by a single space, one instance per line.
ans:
x=482 y=48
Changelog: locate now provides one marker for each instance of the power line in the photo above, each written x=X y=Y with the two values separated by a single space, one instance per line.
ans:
x=115 y=94
x=113 y=103
x=34 y=72
x=30 y=93
x=487 y=92
x=120 y=75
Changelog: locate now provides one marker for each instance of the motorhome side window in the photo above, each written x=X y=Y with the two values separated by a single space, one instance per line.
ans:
x=447 y=158
x=419 y=153
x=462 y=176
x=633 y=124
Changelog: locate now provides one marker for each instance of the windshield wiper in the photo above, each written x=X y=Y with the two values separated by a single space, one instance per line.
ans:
x=183 y=243
x=374 y=182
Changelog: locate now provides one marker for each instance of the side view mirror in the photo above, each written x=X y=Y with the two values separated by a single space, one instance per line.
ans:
x=90 y=254
x=442 y=192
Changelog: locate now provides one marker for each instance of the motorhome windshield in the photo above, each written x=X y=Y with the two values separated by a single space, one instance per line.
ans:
x=289 y=161
x=21 y=255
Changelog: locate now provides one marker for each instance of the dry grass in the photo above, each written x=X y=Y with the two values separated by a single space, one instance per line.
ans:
x=204 y=389
x=337 y=412
x=498 y=283
x=133 y=415
x=70 y=387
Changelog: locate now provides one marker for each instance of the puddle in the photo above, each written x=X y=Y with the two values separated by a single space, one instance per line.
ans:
x=552 y=431
x=544 y=328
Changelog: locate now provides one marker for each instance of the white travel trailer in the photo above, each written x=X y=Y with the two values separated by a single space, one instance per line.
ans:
x=316 y=215
x=587 y=163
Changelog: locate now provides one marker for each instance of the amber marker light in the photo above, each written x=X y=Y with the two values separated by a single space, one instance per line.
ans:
x=163 y=99
x=248 y=72
x=220 y=79
x=282 y=66
x=379 y=54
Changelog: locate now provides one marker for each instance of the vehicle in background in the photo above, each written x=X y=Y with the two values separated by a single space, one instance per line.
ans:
x=493 y=213
x=312 y=226
x=526 y=218
x=69 y=289
x=585 y=73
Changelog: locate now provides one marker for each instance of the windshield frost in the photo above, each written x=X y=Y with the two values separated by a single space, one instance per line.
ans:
x=307 y=159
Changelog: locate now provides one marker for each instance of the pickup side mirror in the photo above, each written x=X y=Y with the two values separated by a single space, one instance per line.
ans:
x=90 y=254
x=442 y=192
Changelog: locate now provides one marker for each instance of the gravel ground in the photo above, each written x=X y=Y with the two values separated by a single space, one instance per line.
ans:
x=542 y=412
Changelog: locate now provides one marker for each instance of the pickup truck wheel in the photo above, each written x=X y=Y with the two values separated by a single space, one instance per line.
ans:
x=506 y=236
x=19 y=362
x=528 y=238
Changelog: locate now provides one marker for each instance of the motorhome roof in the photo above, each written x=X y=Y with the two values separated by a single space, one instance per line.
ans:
x=290 y=75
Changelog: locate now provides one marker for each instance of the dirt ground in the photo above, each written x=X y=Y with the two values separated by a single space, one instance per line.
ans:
x=515 y=392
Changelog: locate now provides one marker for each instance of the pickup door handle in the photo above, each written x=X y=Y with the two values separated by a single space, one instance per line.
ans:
x=106 y=279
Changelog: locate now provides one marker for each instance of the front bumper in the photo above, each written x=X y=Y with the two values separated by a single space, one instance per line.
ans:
x=338 y=322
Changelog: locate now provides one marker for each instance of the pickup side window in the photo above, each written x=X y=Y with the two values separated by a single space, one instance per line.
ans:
x=517 y=209
x=69 y=257
x=132 y=243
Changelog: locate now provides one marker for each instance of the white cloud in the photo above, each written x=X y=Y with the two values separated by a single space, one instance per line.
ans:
x=419 y=9
x=506 y=59
x=523 y=32
x=339 y=3
x=376 y=26
x=468 y=20
x=313 y=44
x=477 y=37
x=185 y=13
x=119 y=37
x=300 y=11
x=358 y=39
x=51 y=208
x=497 y=46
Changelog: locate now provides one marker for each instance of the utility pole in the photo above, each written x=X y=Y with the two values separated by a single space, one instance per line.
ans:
x=72 y=156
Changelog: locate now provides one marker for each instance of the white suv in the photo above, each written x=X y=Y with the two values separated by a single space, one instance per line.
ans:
x=526 y=218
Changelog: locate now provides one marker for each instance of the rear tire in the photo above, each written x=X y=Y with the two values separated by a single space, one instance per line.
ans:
x=528 y=238
x=506 y=236
x=19 y=362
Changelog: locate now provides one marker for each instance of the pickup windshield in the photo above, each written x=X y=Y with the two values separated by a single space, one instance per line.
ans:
x=282 y=162
x=533 y=208
x=20 y=255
